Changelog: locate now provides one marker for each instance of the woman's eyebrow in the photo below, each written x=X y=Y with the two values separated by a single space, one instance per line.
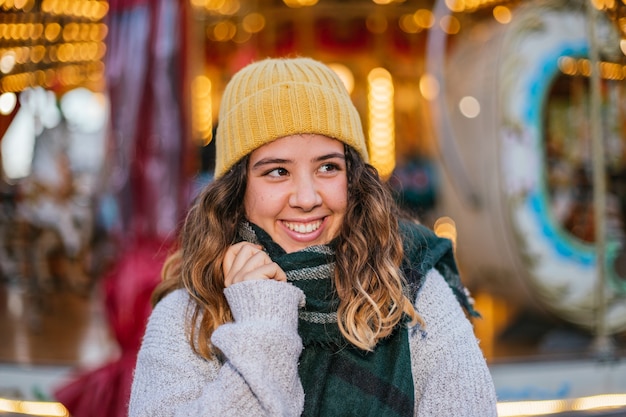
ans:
x=330 y=156
x=269 y=161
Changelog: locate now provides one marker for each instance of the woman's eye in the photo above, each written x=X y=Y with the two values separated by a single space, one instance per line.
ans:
x=329 y=167
x=277 y=172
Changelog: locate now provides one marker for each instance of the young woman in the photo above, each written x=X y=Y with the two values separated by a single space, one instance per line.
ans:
x=296 y=289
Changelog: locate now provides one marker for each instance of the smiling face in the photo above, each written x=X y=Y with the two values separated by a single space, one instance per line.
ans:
x=297 y=190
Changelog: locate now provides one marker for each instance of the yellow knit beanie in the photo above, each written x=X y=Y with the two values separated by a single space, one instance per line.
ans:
x=274 y=98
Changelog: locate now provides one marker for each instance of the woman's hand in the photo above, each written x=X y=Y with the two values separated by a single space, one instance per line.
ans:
x=245 y=261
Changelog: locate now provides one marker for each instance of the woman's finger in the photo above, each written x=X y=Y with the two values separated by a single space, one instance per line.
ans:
x=249 y=262
x=269 y=270
x=237 y=255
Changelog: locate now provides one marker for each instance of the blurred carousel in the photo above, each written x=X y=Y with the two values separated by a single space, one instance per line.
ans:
x=533 y=131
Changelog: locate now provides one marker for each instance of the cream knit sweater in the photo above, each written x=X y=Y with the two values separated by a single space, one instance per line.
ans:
x=262 y=346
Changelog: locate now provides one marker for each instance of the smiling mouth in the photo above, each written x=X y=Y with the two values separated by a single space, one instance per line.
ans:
x=303 y=227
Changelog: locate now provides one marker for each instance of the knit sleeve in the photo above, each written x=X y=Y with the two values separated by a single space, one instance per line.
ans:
x=261 y=347
x=450 y=373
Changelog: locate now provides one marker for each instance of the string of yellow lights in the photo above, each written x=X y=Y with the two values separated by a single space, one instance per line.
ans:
x=52 y=44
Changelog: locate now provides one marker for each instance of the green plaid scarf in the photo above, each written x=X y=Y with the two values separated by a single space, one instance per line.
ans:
x=338 y=378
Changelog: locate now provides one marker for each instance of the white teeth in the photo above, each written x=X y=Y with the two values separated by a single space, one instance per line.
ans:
x=304 y=227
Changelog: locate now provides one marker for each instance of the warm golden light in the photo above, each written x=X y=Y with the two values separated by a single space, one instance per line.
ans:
x=253 y=22
x=547 y=407
x=446 y=227
x=408 y=25
x=424 y=18
x=469 y=6
x=429 y=86
x=502 y=14
x=37 y=53
x=65 y=36
x=52 y=31
x=33 y=408
x=598 y=4
x=223 y=31
x=530 y=408
x=598 y=402
x=344 y=74
x=213 y=5
x=7 y=62
x=70 y=32
x=450 y=25
x=229 y=8
x=567 y=65
x=202 y=113
x=455 y=5
x=300 y=3
x=381 y=143
x=582 y=67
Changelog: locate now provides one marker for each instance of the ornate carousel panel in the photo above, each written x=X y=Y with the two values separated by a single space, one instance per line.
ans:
x=515 y=111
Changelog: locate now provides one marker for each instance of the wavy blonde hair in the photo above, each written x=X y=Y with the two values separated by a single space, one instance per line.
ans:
x=368 y=279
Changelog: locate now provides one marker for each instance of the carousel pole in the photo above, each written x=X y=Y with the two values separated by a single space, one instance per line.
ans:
x=602 y=347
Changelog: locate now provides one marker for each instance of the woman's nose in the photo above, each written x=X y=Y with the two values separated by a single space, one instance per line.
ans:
x=305 y=194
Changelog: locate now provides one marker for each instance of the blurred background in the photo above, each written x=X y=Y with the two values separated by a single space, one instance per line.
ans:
x=501 y=124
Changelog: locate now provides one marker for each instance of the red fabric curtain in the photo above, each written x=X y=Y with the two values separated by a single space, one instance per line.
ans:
x=127 y=289
x=145 y=69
